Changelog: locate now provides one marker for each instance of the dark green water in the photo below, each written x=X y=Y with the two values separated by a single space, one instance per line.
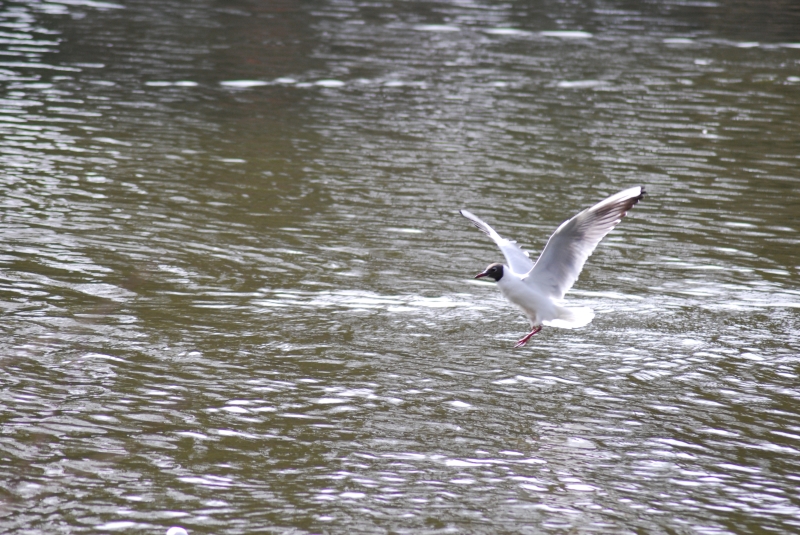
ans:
x=237 y=295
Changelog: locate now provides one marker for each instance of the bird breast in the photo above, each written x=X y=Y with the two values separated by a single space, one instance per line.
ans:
x=535 y=305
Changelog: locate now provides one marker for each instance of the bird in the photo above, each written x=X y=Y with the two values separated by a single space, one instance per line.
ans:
x=537 y=288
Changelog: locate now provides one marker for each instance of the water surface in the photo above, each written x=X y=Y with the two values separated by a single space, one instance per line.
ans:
x=237 y=295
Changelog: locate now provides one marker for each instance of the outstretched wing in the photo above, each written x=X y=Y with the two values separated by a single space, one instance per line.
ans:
x=516 y=258
x=573 y=242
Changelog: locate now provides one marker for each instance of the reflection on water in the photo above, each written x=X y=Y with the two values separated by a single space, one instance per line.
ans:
x=237 y=294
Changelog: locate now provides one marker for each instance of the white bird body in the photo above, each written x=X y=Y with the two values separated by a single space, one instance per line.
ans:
x=541 y=309
x=537 y=306
x=538 y=288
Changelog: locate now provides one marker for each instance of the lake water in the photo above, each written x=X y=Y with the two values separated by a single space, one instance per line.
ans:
x=237 y=295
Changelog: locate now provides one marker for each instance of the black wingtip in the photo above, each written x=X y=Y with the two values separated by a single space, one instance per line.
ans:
x=640 y=196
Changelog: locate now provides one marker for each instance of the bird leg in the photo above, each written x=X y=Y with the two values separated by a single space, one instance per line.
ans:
x=524 y=340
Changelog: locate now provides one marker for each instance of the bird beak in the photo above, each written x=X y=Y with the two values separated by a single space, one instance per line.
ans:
x=481 y=274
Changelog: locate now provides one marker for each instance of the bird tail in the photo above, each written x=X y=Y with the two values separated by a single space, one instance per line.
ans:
x=571 y=317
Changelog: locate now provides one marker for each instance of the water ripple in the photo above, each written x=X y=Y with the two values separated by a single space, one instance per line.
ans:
x=233 y=264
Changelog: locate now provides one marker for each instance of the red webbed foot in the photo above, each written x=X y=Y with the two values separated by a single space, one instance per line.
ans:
x=524 y=340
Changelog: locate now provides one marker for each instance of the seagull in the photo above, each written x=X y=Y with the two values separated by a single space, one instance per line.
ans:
x=538 y=288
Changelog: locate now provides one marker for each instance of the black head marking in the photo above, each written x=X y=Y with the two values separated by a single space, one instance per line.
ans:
x=494 y=271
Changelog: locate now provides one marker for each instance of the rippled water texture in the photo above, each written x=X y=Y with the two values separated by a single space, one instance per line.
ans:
x=237 y=295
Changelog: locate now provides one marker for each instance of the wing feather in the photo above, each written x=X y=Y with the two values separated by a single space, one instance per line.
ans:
x=517 y=259
x=574 y=240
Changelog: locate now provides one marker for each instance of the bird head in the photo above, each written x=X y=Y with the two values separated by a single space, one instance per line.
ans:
x=494 y=271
